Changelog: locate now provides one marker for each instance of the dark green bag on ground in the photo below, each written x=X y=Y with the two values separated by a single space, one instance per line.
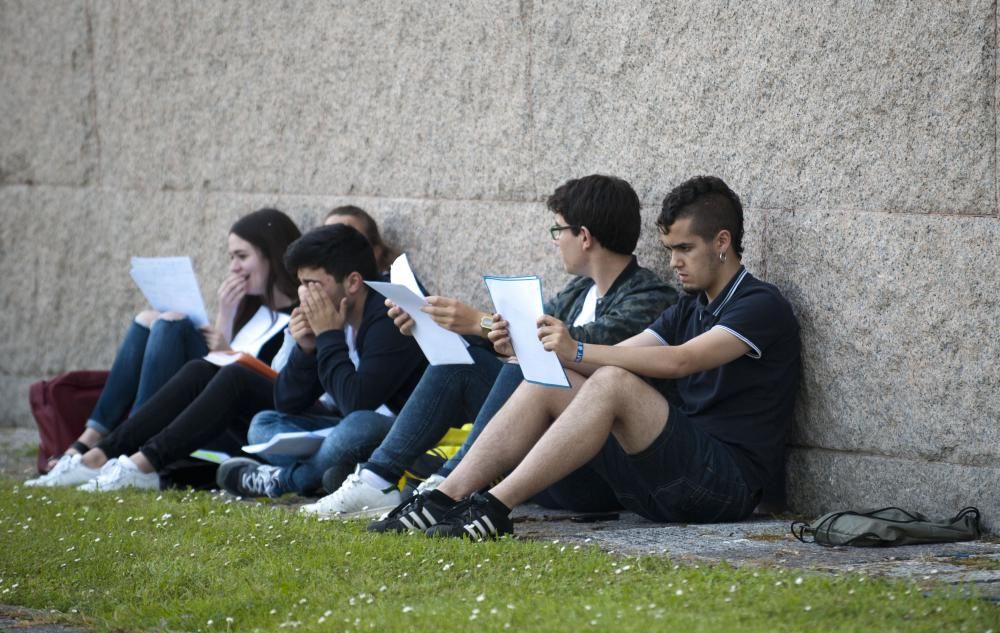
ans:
x=886 y=528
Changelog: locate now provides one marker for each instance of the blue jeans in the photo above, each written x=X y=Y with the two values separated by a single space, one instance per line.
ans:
x=504 y=386
x=353 y=438
x=446 y=396
x=146 y=360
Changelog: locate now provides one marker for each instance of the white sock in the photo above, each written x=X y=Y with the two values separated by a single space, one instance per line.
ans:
x=374 y=480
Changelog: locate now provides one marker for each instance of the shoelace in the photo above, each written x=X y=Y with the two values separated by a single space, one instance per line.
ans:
x=109 y=472
x=257 y=481
x=64 y=464
x=416 y=516
x=351 y=484
x=476 y=519
x=415 y=500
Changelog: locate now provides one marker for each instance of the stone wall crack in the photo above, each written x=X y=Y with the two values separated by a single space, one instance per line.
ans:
x=92 y=95
x=526 y=13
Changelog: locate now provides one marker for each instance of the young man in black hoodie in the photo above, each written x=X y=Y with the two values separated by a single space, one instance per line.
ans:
x=347 y=348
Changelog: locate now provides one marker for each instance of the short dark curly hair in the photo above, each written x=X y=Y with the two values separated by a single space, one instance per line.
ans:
x=711 y=204
x=606 y=205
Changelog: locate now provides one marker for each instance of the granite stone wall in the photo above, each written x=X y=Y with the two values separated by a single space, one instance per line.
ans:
x=861 y=136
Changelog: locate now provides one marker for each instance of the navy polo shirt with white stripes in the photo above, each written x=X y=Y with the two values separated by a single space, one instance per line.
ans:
x=748 y=403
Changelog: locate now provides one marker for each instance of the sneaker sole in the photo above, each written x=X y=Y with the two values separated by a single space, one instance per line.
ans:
x=86 y=488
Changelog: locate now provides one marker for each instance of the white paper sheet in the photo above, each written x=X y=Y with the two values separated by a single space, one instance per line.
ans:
x=401 y=273
x=169 y=285
x=292 y=443
x=519 y=301
x=259 y=330
x=440 y=346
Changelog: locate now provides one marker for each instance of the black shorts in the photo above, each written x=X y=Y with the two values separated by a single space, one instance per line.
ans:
x=685 y=475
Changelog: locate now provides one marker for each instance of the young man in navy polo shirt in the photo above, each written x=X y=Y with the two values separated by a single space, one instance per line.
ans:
x=732 y=348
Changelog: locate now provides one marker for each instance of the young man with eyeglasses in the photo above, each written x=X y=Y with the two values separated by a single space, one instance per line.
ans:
x=731 y=346
x=597 y=224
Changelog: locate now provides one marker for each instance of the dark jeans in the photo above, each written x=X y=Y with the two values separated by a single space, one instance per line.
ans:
x=504 y=386
x=145 y=361
x=446 y=396
x=201 y=406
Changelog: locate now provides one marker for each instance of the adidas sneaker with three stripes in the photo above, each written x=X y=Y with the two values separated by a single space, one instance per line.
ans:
x=417 y=514
x=478 y=518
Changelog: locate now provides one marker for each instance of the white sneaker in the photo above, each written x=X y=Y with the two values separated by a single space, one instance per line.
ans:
x=68 y=471
x=121 y=473
x=431 y=483
x=355 y=495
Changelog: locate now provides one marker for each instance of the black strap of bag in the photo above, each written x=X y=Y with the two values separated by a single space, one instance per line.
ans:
x=885 y=527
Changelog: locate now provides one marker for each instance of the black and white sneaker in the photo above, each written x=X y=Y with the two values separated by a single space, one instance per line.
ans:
x=245 y=477
x=418 y=513
x=479 y=517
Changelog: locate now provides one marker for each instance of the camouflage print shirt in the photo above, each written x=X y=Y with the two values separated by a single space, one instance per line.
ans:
x=635 y=300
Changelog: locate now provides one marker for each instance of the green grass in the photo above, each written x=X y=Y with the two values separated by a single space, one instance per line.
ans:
x=191 y=561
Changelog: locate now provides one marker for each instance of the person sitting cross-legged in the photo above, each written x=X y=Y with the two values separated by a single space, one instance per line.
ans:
x=338 y=317
x=610 y=298
x=731 y=345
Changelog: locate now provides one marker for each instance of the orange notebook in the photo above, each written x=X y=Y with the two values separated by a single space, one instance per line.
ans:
x=221 y=359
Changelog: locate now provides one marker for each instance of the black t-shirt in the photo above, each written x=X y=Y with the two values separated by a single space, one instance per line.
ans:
x=748 y=403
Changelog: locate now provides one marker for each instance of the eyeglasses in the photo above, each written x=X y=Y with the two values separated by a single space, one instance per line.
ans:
x=554 y=231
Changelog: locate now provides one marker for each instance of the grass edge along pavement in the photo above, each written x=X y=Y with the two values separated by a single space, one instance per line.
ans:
x=198 y=561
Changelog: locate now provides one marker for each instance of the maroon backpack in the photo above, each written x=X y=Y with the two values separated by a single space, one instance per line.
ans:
x=61 y=407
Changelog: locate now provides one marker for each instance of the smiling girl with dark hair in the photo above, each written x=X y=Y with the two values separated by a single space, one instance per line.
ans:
x=157 y=345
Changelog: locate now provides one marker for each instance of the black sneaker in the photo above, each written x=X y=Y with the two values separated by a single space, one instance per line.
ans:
x=245 y=477
x=477 y=518
x=418 y=513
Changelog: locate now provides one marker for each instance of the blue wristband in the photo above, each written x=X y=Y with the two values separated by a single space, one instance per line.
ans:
x=579 y=351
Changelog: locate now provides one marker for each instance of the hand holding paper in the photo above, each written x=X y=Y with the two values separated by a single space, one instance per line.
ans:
x=400 y=318
x=453 y=315
x=519 y=300
x=440 y=346
x=500 y=336
x=555 y=337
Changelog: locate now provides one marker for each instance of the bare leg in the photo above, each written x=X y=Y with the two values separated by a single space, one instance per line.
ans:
x=146 y=317
x=143 y=464
x=90 y=437
x=94 y=458
x=509 y=435
x=613 y=401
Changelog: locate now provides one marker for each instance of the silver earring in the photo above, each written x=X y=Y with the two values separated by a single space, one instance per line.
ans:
x=722 y=257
